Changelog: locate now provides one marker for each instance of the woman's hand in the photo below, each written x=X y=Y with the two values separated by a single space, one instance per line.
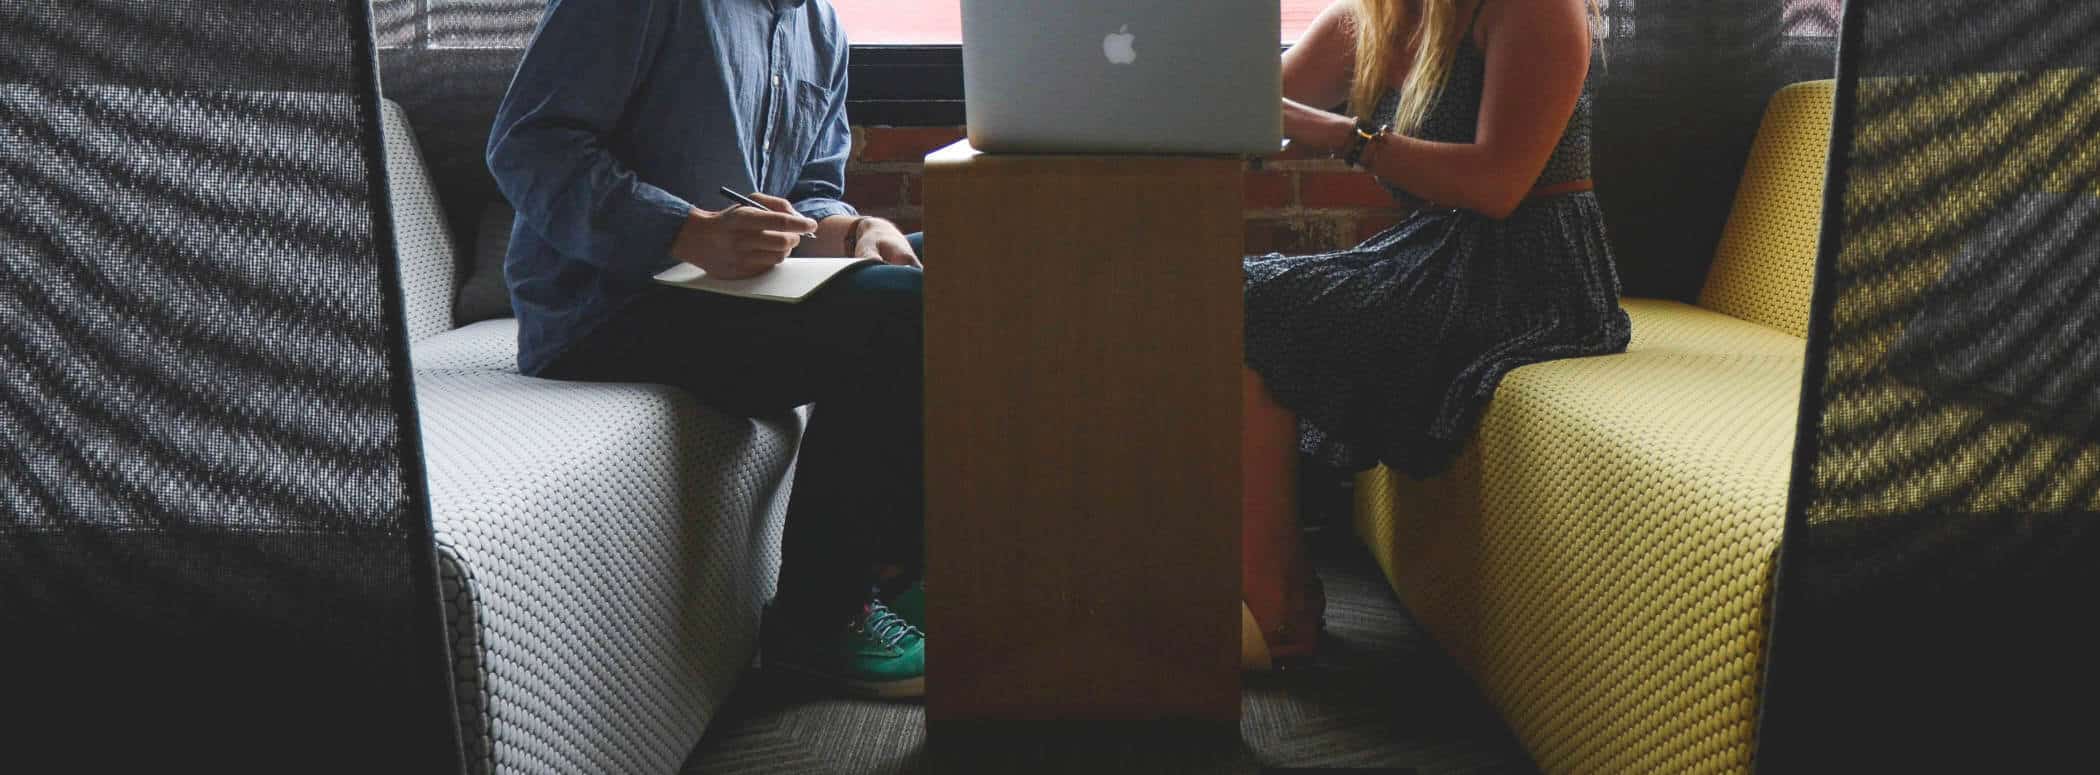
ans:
x=1314 y=131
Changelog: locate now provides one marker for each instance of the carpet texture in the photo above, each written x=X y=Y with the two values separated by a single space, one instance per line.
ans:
x=1380 y=696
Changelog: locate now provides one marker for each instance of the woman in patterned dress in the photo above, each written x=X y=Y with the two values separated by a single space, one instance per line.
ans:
x=1388 y=351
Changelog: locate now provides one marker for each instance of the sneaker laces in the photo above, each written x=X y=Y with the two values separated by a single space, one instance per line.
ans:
x=886 y=627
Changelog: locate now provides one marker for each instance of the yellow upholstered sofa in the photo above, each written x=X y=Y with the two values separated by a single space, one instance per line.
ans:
x=1601 y=557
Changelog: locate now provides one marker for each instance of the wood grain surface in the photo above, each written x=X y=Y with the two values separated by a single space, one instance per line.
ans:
x=1083 y=347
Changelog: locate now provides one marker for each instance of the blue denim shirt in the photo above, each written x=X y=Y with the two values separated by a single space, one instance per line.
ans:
x=625 y=114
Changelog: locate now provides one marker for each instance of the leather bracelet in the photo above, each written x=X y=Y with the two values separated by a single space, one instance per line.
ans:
x=853 y=231
x=1365 y=134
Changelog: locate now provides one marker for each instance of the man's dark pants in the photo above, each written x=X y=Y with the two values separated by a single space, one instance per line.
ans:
x=853 y=350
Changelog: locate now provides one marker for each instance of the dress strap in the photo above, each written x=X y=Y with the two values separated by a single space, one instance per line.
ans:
x=1477 y=8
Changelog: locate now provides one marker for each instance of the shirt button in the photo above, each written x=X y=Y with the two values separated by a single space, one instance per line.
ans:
x=776 y=79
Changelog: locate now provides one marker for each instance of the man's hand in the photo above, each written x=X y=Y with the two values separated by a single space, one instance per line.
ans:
x=883 y=241
x=741 y=242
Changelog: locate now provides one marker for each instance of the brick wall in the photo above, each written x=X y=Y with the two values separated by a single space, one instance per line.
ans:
x=1293 y=205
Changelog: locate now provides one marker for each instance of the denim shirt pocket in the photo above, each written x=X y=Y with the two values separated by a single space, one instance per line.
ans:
x=803 y=125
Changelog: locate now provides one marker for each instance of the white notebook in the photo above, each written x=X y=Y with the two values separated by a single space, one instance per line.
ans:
x=792 y=281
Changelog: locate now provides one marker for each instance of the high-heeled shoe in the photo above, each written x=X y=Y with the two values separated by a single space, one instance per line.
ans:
x=1296 y=638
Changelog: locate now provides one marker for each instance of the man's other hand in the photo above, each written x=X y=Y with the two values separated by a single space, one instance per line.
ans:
x=883 y=241
x=741 y=242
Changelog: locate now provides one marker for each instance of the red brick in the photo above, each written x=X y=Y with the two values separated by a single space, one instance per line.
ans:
x=1269 y=190
x=906 y=143
x=1342 y=190
x=874 y=190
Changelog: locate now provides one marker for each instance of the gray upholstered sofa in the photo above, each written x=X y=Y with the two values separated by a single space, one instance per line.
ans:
x=604 y=549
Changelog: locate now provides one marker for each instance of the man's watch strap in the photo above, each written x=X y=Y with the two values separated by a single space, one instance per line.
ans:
x=853 y=231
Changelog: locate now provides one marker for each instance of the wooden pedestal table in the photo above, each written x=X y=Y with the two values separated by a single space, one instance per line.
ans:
x=1083 y=351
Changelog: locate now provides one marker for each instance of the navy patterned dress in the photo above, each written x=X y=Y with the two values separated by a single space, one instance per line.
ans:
x=1389 y=350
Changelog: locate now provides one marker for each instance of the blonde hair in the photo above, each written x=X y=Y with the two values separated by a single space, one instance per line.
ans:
x=1435 y=42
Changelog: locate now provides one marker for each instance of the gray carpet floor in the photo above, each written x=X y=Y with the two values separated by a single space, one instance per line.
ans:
x=1380 y=697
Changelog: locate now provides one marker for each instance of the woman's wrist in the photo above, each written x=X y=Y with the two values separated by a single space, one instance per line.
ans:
x=1365 y=141
x=1369 y=162
x=1341 y=131
x=1334 y=135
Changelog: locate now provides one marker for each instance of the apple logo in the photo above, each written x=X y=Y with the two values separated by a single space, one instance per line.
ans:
x=1120 y=46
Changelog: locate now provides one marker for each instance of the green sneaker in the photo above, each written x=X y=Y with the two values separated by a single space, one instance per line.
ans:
x=910 y=605
x=878 y=655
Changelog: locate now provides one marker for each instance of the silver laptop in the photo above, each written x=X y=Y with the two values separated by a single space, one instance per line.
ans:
x=1123 y=76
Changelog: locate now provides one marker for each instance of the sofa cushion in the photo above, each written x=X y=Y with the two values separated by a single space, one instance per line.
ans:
x=1675 y=327
x=606 y=549
x=1764 y=269
x=422 y=239
x=490 y=345
x=1608 y=590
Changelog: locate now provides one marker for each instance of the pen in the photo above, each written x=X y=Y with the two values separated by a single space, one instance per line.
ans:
x=749 y=202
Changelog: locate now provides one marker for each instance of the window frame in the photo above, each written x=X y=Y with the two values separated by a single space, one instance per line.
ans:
x=912 y=85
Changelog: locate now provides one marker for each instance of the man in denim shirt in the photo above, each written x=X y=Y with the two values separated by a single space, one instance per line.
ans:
x=624 y=119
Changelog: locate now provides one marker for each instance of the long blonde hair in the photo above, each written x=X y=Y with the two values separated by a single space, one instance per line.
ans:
x=1435 y=41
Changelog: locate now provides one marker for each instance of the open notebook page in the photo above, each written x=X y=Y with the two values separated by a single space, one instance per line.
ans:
x=792 y=281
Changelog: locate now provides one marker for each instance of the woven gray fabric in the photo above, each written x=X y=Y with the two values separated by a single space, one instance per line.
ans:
x=428 y=258
x=463 y=631
x=490 y=345
x=615 y=543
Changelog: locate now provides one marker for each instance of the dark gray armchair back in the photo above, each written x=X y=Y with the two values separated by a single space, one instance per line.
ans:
x=1683 y=88
x=1941 y=564
x=215 y=548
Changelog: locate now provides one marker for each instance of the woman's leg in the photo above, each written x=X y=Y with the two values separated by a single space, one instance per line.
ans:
x=1274 y=572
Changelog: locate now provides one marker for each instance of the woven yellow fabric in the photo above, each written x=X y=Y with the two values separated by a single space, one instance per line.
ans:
x=1607 y=590
x=1600 y=557
x=1765 y=267
x=1676 y=327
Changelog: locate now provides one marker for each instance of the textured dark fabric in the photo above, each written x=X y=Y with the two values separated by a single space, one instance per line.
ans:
x=483 y=294
x=215 y=547
x=1388 y=351
x=1941 y=561
x=1678 y=102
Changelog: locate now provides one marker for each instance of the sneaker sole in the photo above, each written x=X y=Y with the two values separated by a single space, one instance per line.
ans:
x=901 y=689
